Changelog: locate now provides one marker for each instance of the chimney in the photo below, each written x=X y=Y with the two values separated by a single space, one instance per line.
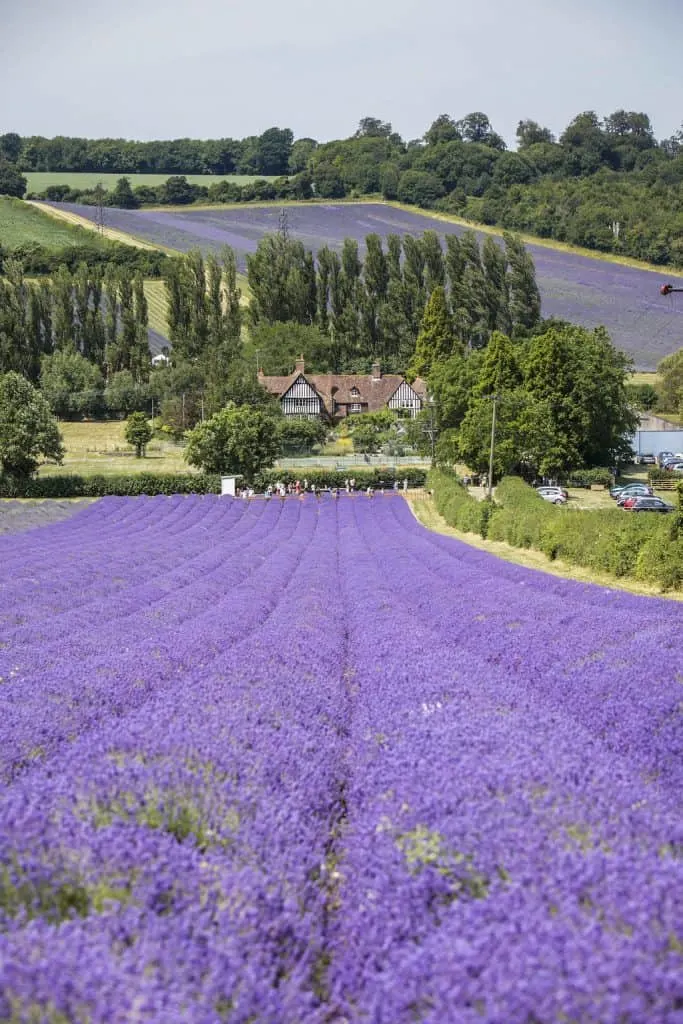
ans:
x=376 y=371
x=299 y=365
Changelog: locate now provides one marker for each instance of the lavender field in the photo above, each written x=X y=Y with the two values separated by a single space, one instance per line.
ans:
x=304 y=762
x=586 y=291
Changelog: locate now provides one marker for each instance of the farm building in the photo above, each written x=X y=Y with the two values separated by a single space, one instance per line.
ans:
x=334 y=396
x=655 y=435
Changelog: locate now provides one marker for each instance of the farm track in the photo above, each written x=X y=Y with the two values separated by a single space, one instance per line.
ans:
x=380 y=777
x=73 y=218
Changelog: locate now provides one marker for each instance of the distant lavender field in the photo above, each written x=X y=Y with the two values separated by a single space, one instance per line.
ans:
x=577 y=288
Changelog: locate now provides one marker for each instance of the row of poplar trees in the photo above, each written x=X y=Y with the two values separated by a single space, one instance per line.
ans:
x=371 y=307
x=102 y=316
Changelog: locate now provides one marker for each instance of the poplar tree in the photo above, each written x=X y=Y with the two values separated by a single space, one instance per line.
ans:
x=435 y=271
x=63 y=310
x=140 y=362
x=496 y=287
x=323 y=289
x=525 y=298
x=435 y=342
x=373 y=294
x=413 y=281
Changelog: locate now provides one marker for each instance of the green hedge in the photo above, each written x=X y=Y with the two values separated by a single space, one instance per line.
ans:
x=335 y=478
x=663 y=479
x=74 y=486
x=646 y=547
x=454 y=502
x=520 y=516
x=587 y=477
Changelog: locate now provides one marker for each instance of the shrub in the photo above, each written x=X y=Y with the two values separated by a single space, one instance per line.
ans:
x=454 y=502
x=520 y=514
x=587 y=477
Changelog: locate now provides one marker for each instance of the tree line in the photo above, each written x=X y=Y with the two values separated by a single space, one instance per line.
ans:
x=605 y=183
x=353 y=310
x=273 y=152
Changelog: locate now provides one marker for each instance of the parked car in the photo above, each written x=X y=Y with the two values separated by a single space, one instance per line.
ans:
x=557 y=495
x=669 y=464
x=663 y=456
x=631 y=490
x=645 y=460
x=649 y=505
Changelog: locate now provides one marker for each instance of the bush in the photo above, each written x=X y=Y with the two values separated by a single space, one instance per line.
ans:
x=520 y=515
x=663 y=479
x=454 y=502
x=588 y=477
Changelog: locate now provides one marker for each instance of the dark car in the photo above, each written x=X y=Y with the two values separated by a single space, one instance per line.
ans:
x=631 y=490
x=650 y=505
x=663 y=456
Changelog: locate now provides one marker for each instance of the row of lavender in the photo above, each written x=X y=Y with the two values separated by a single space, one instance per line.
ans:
x=306 y=762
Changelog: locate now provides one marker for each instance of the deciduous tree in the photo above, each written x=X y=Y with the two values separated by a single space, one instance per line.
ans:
x=238 y=440
x=28 y=430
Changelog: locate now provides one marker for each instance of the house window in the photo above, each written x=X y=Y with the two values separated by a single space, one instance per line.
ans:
x=355 y=407
x=355 y=392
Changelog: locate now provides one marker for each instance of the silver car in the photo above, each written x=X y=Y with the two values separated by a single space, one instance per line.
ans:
x=557 y=495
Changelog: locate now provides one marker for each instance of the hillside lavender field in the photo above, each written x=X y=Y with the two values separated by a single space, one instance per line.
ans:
x=301 y=761
x=586 y=291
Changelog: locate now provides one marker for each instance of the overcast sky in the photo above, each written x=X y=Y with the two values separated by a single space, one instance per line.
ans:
x=149 y=69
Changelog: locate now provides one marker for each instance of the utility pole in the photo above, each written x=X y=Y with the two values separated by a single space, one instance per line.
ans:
x=493 y=443
x=99 y=197
x=430 y=430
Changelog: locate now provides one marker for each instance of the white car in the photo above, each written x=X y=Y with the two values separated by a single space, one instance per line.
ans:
x=557 y=495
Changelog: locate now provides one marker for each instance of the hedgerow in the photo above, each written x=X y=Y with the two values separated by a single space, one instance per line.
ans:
x=76 y=486
x=646 y=547
x=454 y=502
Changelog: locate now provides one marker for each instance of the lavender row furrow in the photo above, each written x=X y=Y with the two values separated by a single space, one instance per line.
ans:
x=175 y=854
x=595 y=675
x=491 y=851
x=141 y=545
x=42 y=707
x=118 y=605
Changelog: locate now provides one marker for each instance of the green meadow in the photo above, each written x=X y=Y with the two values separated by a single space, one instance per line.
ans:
x=22 y=224
x=38 y=181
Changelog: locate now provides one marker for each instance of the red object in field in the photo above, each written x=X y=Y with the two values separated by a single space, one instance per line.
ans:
x=667 y=289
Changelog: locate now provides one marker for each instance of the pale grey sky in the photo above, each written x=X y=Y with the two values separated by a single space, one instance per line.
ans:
x=211 y=68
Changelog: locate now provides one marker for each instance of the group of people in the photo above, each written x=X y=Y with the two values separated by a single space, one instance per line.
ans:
x=301 y=487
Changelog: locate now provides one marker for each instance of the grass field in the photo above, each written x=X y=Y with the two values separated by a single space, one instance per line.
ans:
x=22 y=224
x=155 y=293
x=100 y=447
x=38 y=181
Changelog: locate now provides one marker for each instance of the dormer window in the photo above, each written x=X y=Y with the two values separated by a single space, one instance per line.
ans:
x=355 y=392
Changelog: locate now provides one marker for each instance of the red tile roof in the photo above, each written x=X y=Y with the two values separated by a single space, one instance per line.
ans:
x=373 y=391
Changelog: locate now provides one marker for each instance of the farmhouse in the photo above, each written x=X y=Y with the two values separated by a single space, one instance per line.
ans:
x=334 y=396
